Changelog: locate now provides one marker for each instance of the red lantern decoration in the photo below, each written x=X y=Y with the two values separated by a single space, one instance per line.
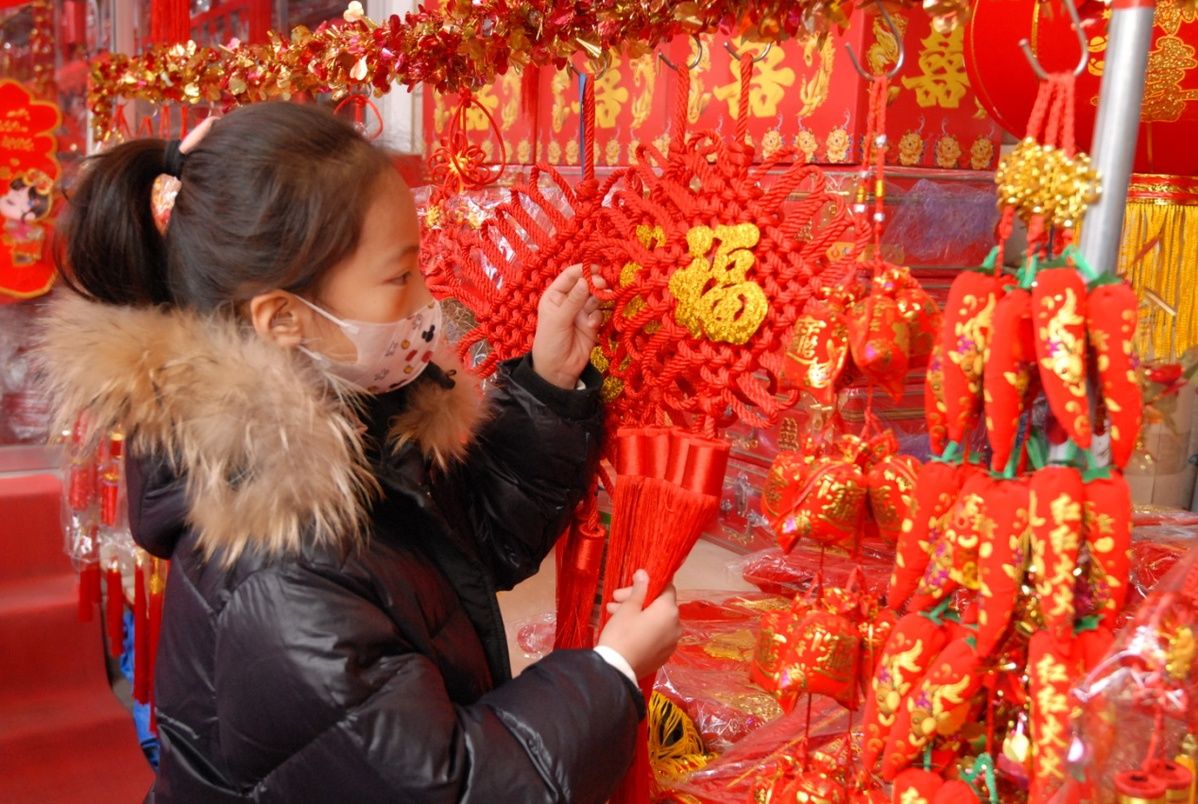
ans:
x=1006 y=86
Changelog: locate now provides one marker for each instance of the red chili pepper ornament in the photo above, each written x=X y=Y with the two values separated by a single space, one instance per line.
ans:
x=936 y=487
x=1108 y=539
x=1057 y=497
x=1010 y=365
x=1059 y=308
x=1112 y=325
x=1002 y=559
x=968 y=316
x=1050 y=670
x=934 y=409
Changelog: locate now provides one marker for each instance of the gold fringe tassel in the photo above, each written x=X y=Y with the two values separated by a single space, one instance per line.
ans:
x=1159 y=256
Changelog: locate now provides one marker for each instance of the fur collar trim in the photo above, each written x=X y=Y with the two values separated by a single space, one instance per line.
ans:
x=269 y=445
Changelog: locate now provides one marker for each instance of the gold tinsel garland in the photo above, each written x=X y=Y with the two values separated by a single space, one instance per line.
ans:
x=459 y=49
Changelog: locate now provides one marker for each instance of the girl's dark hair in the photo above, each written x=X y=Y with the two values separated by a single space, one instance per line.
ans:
x=39 y=202
x=273 y=196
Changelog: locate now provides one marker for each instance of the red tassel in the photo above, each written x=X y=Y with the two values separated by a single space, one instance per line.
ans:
x=170 y=21
x=115 y=610
x=141 y=637
x=157 y=588
x=259 y=22
x=89 y=591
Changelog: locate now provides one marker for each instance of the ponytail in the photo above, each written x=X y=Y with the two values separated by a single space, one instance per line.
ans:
x=113 y=252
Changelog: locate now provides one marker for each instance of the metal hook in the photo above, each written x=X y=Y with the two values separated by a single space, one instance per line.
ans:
x=691 y=66
x=756 y=59
x=604 y=66
x=898 y=38
x=1076 y=22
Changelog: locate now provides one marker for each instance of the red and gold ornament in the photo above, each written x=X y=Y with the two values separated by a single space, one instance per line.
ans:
x=1010 y=367
x=968 y=317
x=1111 y=319
x=1057 y=497
x=1059 y=310
x=1002 y=558
x=1108 y=541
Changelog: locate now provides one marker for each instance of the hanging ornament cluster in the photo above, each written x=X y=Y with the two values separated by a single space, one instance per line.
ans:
x=1016 y=566
x=825 y=644
x=98 y=541
x=877 y=332
x=831 y=493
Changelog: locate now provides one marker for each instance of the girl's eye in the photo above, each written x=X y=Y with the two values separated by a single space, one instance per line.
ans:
x=402 y=279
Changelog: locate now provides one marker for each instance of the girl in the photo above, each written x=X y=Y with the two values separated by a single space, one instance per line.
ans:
x=338 y=508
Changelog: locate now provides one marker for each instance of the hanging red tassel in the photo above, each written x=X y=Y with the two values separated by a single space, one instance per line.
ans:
x=1057 y=497
x=115 y=610
x=141 y=634
x=579 y=560
x=89 y=591
x=157 y=591
x=1059 y=307
x=1112 y=326
x=170 y=21
x=1108 y=538
x=1010 y=364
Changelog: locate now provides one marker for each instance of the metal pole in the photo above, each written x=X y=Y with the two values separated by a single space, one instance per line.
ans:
x=1115 y=130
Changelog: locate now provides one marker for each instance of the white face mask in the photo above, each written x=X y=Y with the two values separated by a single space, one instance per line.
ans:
x=389 y=355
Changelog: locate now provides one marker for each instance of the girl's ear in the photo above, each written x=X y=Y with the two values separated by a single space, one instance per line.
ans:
x=276 y=317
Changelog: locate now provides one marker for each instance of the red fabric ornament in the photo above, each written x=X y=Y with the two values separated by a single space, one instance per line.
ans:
x=1010 y=365
x=936 y=486
x=913 y=644
x=1050 y=672
x=891 y=491
x=963 y=532
x=1002 y=555
x=1108 y=539
x=89 y=591
x=1112 y=325
x=820 y=658
x=922 y=315
x=830 y=509
x=955 y=792
x=818 y=347
x=785 y=483
x=114 y=610
x=916 y=786
x=809 y=787
x=875 y=631
x=934 y=408
x=1056 y=507
x=968 y=317
x=1059 y=307
x=1091 y=647
x=939 y=706
x=880 y=342
x=141 y=636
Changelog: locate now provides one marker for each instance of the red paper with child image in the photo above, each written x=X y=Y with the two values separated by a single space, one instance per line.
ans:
x=28 y=174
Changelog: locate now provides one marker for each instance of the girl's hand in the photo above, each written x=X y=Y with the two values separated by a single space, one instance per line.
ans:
x=568 y=321
x=645 y=635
